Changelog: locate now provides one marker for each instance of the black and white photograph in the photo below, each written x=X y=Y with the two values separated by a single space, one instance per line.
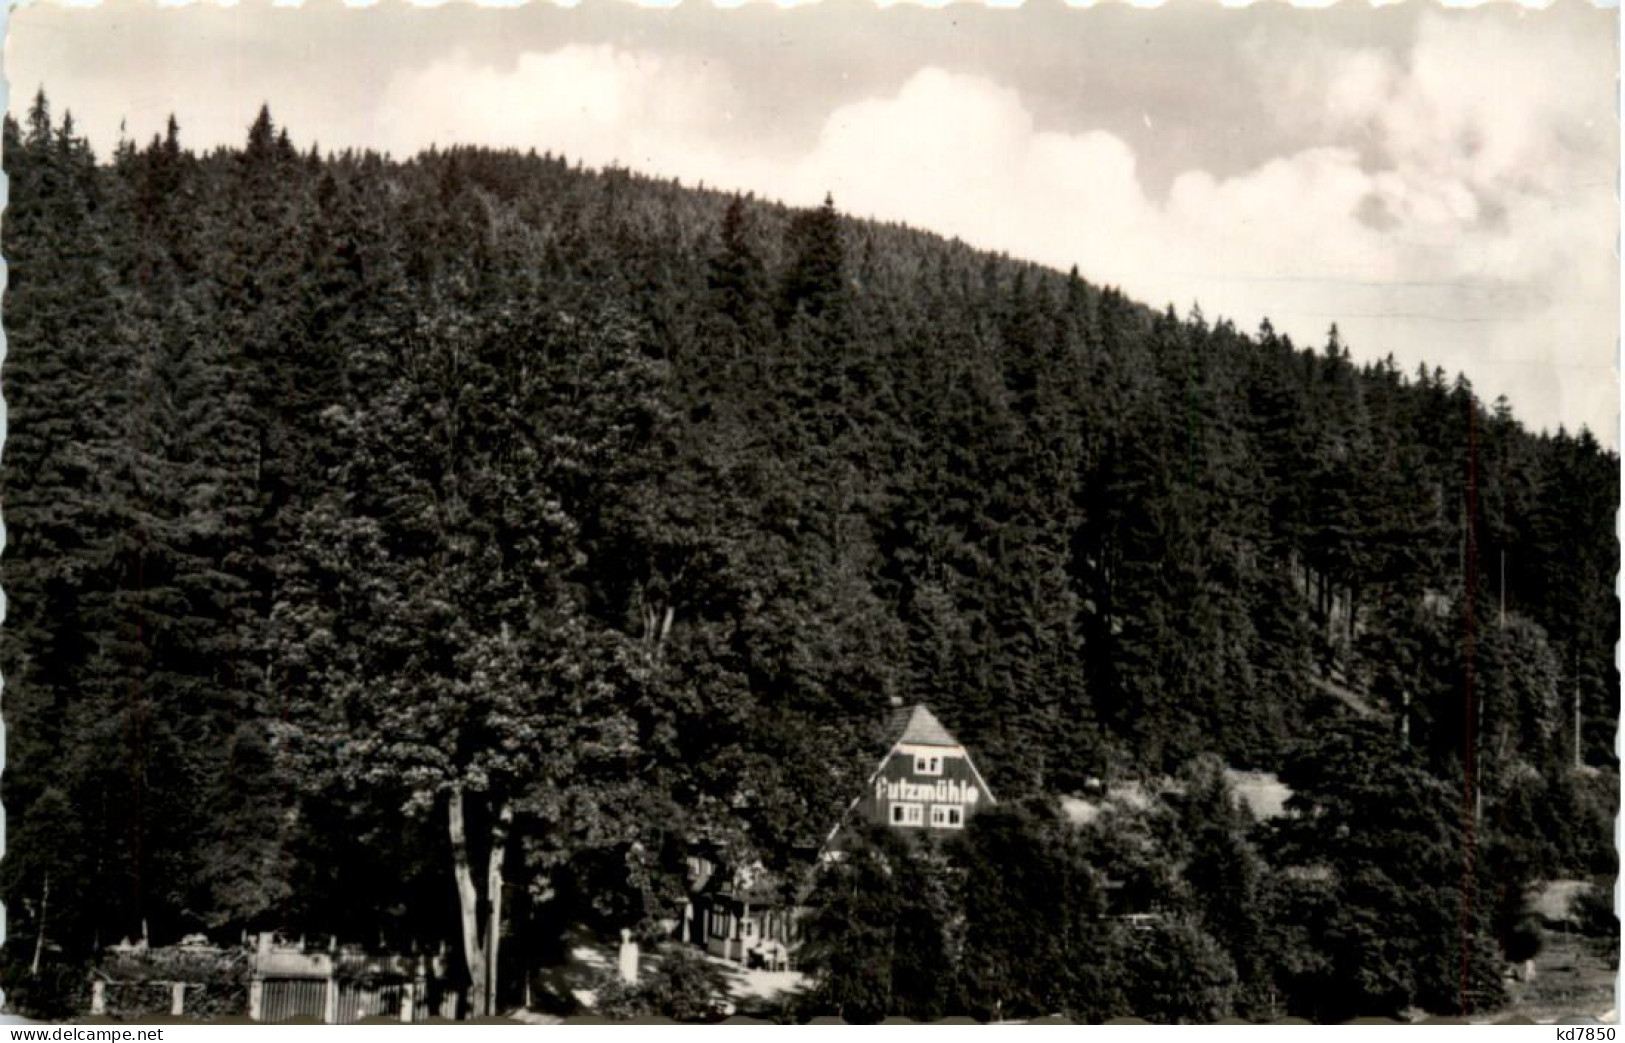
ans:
x=797 y=510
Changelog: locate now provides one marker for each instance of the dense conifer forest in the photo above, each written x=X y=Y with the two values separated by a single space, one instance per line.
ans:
x=379 y=529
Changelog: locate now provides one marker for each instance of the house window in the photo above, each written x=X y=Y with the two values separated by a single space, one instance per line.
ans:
x=947 y=816
x=719 y=924
x=908 y=814
x=925 y=764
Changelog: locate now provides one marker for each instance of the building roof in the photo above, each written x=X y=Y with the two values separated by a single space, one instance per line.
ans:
x=920 y=727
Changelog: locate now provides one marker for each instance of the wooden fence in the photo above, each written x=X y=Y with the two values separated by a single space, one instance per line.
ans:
x=339 y=988
x=284 y=980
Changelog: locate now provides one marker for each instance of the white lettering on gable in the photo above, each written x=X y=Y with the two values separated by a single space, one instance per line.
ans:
x=942 y=791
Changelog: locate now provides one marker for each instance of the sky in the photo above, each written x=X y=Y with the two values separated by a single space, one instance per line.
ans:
x=1441 y=183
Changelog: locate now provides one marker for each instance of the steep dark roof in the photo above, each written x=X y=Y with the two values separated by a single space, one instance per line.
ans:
x=920 y=727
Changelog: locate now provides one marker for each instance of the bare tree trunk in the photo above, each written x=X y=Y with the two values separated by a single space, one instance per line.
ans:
x=39 y=936
x=1578 y=748
x=657 y=628
x=493 y=893
x=468 y=906
x=1503 y=588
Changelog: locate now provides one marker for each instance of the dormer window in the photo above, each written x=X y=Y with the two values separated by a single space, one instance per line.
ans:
x=927 y=764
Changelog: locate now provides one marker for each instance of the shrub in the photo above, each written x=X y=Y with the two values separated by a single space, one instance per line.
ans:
x=1523 y=940
x=217 y=982
x=58 y=992
x=1178 y=973
x=1594 y=910
x=681 y=985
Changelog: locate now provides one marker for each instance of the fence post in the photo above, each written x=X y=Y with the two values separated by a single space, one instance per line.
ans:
x=177 y=998
x=330 y=1013
x=256 y=975
x=98 y=998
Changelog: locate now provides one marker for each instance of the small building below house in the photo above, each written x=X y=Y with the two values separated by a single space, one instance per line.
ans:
x=749 y=924
x=738 y=914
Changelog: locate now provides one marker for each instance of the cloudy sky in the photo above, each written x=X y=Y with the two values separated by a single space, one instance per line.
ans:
x=1440 y=183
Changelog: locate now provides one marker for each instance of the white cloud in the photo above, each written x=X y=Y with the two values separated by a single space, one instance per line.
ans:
x=595 y=103
x=1455 y=205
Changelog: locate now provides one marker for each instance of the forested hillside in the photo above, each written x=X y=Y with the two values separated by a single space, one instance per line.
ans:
x=370 y=520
